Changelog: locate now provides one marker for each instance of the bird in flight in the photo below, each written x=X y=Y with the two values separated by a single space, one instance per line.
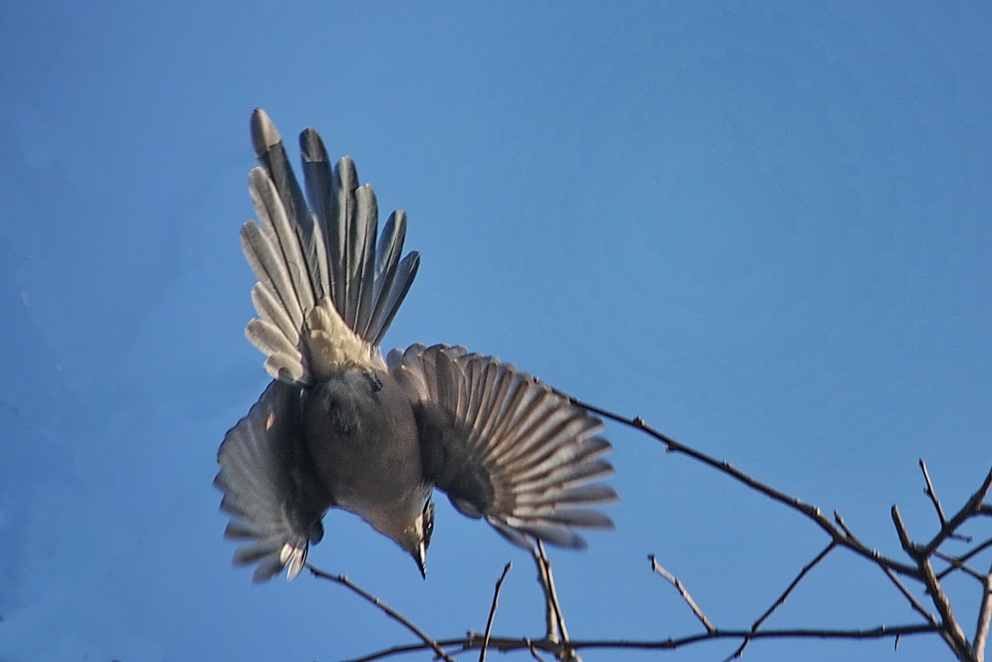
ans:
x=339 y=426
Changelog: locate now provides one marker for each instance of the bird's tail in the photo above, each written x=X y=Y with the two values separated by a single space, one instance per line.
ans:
x=327 y=291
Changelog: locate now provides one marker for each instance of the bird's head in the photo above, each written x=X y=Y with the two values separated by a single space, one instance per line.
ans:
x=419 y=538
x=411 y=531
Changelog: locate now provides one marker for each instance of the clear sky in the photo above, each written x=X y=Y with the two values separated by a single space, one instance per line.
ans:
x=764 y=229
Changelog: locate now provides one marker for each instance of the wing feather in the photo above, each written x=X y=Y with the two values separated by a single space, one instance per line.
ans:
x=504 y=446
x=269 y=484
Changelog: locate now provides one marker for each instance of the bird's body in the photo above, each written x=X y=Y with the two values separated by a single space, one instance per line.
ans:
x=361 y=432
x=339 y=426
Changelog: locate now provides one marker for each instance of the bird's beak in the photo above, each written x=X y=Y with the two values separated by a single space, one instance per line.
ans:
x=419 y=556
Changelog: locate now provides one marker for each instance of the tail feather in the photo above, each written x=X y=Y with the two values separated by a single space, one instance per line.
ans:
x=386 y=261
x=272 y=155
x=282 y=228
x=272 y=271
x=316 y=258
x=405 y=273
x=339 y=233
x=270 y=309
x=362 y=279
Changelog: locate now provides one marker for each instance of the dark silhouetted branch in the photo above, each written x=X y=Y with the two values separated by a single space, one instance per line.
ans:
x=386 y=609
x=809 y=510
x=973 y=506
x=492 y=612
x=964 y=557
x=506 y=644
x=782 y=598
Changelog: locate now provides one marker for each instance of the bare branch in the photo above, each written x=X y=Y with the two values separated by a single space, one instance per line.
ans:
x=795 y=582
x=984 y=616
x=386 y=609
x=782 y=598
x=809 y=510
x=552 y=611
x=556 y=648
x=879 y=632
x=398 y=650
x=958 y=565
x=964 y=557
x=973 y=507
x=683 y=592
x=910 y=547
x=933 y=495
x=913 y=602
x=492 y=612
x=556 y=629
x=950 y=629
x=844 y=527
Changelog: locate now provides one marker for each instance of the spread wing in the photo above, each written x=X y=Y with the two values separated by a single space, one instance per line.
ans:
x=269 y=487
x=504 y=446
x=326 y=293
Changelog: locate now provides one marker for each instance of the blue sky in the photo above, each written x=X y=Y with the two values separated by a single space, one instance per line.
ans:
x=763 y=228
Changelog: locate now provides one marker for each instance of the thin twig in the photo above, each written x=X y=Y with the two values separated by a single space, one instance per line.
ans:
x=400 y=650
x=843 y=525
x=958 y=565
x=964 y=557
x=683 y=592
x=492 y=612
x=533 y=651
x=969 y=509
x=785 y=595
x=389 y=611
x=933 y=495
x=795 y=582
x=913 y=602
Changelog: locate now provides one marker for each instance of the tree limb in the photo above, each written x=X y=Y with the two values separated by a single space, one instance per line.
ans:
x=386 y=609
x=809 y=510
x=506 y=644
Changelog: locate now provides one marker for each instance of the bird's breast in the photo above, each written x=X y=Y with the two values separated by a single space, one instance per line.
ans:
x=363 y=438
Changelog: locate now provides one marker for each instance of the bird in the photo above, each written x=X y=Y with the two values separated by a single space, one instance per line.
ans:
x=341 y=426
